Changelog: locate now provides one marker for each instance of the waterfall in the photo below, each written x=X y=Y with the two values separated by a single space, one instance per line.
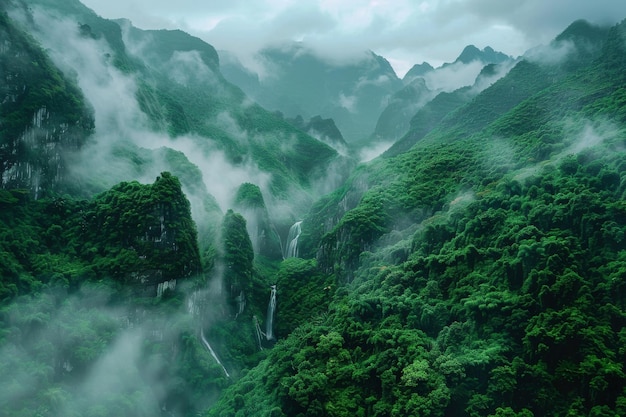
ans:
x=167 y=285
x=258 y=331
x=291 y=247
x=210 y=349
x=241 y=303
x=271 y=309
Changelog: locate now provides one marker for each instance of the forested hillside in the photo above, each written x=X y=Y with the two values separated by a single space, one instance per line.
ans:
x=169 y=247
x=481 y=272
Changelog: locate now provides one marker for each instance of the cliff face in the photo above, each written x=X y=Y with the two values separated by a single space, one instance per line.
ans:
x=42 y=115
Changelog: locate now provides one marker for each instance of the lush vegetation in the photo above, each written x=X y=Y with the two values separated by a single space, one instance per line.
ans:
x=481 y=272
x=136 y=234
x=478 y=269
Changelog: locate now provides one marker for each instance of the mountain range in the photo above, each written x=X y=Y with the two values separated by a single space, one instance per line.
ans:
x=183 y=236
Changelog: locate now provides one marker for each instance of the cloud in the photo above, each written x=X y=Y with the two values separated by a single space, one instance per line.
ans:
x=348 y=102
x=371 y=152
x=551 y=54
x=485 y=81
x=122 y=127
x=404 y=31
x=452 y=77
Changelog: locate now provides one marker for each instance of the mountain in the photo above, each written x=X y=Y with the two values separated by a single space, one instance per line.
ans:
x=477 y=271
x=173 y=89
x=324 y=130
x=423 y=83
x=113 y=264
x=44 y=114
x=298 y=82
x=169 y=247
x=417 y=70
x=487 y=55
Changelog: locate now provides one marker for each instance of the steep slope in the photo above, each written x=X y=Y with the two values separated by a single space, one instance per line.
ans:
x=324 y=130
x=481 y=272
x=93 y=109
x=43 y=115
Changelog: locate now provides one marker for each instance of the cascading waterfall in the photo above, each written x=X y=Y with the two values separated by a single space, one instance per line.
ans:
x=291 y=247
x=271 y=309
x=241 y=303
x=258 y=331
x=166 y=285
x=210 y=349
x=196 y=306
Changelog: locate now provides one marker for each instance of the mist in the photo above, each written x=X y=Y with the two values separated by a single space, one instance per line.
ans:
x=97 y=354
x=552 y=54
x=453 y=76
x=121 y=126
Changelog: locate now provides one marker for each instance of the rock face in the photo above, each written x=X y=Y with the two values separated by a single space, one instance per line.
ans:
x=42 y=115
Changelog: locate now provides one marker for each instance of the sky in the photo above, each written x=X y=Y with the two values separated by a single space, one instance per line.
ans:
x=406 y=32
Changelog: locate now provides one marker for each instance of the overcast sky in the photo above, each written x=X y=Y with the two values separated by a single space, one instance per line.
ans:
x=406 y=32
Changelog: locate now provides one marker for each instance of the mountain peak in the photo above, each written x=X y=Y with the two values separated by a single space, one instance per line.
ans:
x=582 y=30
x=487 y=55
x=418 y=70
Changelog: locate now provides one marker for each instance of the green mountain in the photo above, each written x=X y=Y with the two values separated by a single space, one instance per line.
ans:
x=479 y=273
x=172 y=87
x=301 y=83
x=168 y=247
x=324 y=130
x=487 y=55
x=93 y=111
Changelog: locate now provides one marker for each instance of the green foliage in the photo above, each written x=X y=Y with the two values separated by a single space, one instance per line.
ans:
x=238 y=255
x=303 y=292
x=508 y=300
x=249 y=196
x=480 y=273
x=137 y=234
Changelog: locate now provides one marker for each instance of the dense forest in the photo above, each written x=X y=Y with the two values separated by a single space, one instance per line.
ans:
x=169 y=247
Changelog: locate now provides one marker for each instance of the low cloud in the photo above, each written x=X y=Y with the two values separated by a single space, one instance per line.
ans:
x=348 y=102
x=403 y=31
x=454 y=76
x=371 y=152
x=119 y=118
x=185 y=67
x=485 y=81
x=552 y=54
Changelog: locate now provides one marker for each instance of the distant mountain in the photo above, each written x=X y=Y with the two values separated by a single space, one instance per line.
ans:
x=324 y=130
x=393 y=122
x=575 y=47
x=417 y=70
x=486 y=55
x=299 y=82
x=423 y=82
